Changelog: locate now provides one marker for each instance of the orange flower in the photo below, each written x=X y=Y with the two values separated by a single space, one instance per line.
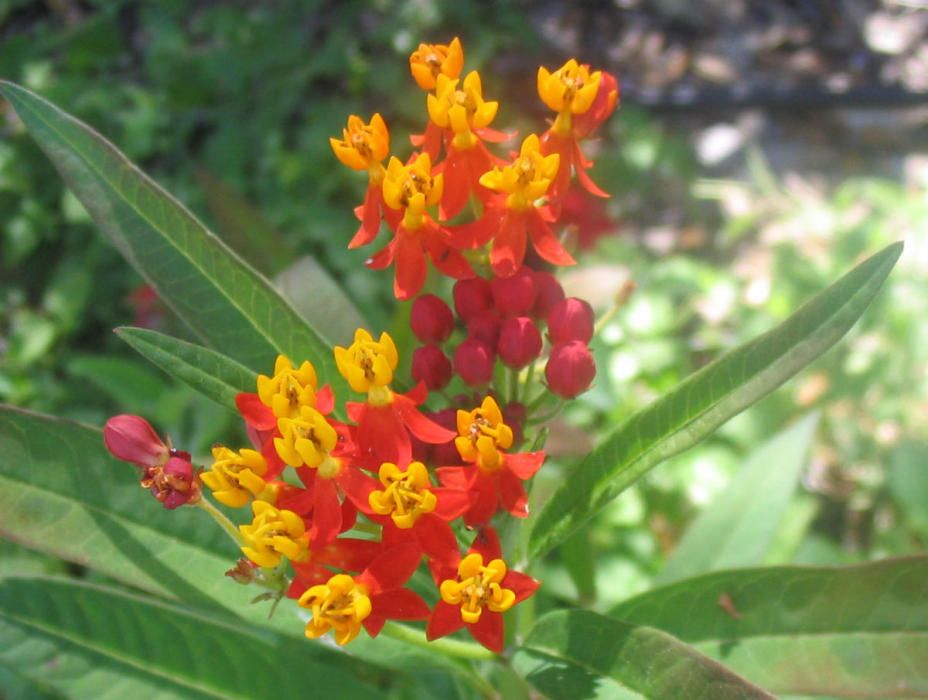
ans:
x=429 y=61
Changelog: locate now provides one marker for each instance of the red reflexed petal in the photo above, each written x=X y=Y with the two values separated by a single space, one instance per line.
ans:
x=348 y=553
x=392 y=568
x=357 y=487
x=383 y=257
x=520 y=584
x=382 y=437
x=369 y=216
x=423 y=428
x=452 y=503
x=441 y=571
x=255 y=413
x=509 y=246
x=349 y=516
x=300 y=501
x=327 y=513
x=486 y=543
x=485 y=487
x=399 y=604
x=356 y=410
x=418 y=394
x=512 y=494
x=306 y=575
x=546 y=243
x=391 y=535
x=460 y=478
x=449 y=261
x=458 y=184
x=444 y=620
x=374 y=623
x=488 y=630
x=429 y=141
x=410 y=266
x=524 y=464
x=476 y=233
x=583 y=177
x=275 y=465
x=494 y=135
x=437 y=539
x=325 y=400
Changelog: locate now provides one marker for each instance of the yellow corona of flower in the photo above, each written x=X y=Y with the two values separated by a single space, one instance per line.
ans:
x=368 y=365
x=569 y=90
x=429 y=61
x=461 y=110
x=527 y=178
x=478 y=586
x=274 y=534
x=363 y=146
x=289 y=389
x=236 y=477
x=307 y=440
x=412 y=188
x=341 y=604
x=406 y=494
x=482 y=434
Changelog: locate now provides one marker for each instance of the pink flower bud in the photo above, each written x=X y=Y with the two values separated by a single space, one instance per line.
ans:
x=472 y=296
x=430 y=366
x=571 y=319
x=484 y=326
x=132 y=439
x=548 y=293
x=519 y=342
x=515 y=295
x=473 y=362
x=570 y=369
x=431 y=319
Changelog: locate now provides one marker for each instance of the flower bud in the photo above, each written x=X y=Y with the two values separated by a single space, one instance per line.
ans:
x=471 y=296
x=132 y=439
x=571 y=319
x=548 y=293
x=484 y=326
x=519 y=342
x=515 y=295
x=473 y=362
x=430 y=366
x=431 y=319
x=570 y=369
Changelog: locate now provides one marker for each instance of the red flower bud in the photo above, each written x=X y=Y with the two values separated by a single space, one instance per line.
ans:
x=472 y=296
x=570 y=369
x=515 y=295
x=548 y=293
x=571 y=319
x=473 y=362
x=484 y=326
x=519 y=342
x=175 y=484
x=430 y=366
x=431 y=319
x=132 y=439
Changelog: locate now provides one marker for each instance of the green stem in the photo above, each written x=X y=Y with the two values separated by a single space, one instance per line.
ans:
x=227 y=525
x=513 y=385
x=448 y=647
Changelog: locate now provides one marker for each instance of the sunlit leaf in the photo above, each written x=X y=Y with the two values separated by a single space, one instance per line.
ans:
x=707 y=399
x=859 y=631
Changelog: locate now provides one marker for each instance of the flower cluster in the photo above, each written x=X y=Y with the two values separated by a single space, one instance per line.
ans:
x=348 y=496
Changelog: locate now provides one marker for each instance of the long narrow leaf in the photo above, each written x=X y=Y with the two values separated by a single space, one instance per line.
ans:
x=224 y=300
x=707 y=399
x=579 y=654
x=854 y=632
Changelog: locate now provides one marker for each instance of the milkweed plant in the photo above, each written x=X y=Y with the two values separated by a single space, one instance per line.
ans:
x=385 y=503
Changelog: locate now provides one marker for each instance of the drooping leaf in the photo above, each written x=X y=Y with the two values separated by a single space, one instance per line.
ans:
x=212 y=374
x=707 y=399
x=91 y=641
x=232 y=307
x=575 y=654
x=858 y=631
x=738 y=527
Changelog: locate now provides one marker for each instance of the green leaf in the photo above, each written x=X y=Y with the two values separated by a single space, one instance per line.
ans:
x=206 y=371
x=575 y=654
x=859 y=631
x=908 y=483
x=232 y=307
x=89 y=641
x=135 y=386
x=707 y=399
x=738 y=527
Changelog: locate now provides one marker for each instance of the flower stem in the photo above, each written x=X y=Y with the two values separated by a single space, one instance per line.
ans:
x=448 y=647
x=226 y=524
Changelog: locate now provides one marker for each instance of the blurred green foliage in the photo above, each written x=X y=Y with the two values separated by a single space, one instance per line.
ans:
x=246 y=95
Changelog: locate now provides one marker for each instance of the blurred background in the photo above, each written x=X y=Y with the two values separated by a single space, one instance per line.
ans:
x=761 y=150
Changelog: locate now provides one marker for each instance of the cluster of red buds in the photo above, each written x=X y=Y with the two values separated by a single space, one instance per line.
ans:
x=379 y=486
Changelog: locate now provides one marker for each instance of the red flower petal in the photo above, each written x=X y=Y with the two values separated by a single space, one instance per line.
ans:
x=275 y=465
x=486 y=490
x=325 y=400
x=347 y=553
x=255 y=413
x=392 y=568
x=437 y=539
x=423 y=428
x=524 y=464
x=399 y=604
x=488 y=630
x=444 y=620
x=306 y=575
x=327 y=512
x=369 y=214
x=509 y=246
x=357 y=486
x=452 y=503
x=487 y=545
x=410 y=265
x=383 y=257
x=546 y=243
x=581 y=164
x=461 y=478
x=520 y=584
x=512 y=494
